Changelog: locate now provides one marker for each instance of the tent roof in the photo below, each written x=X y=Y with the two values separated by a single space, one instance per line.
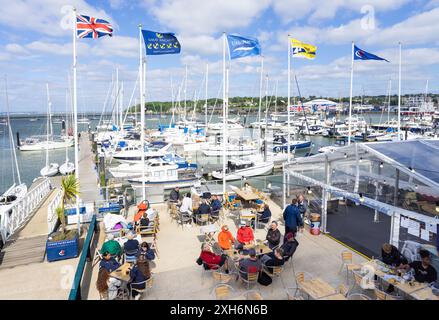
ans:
x=417 y=158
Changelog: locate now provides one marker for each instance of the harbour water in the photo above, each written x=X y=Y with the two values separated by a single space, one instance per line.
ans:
x=30 y=162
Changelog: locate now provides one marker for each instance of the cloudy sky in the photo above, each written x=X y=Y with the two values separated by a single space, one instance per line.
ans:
x=35 y=47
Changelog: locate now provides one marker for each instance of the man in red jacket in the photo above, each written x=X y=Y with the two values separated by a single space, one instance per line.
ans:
x=211 y=260
x=245 y=235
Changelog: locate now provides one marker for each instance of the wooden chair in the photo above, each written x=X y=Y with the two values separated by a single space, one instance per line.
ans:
x=342 y=289
x=222 y=291
x=274 y=272
x=253 y=295
x=153 y=246
x=173 y=211
x=347 y=263
x=381 y=295
x=232 y=203
x=300 y=277
x=357 y=296
x=148 y=285
x=97 y=258
x=103 y=295
x=221 y=277
x=248 y=278
x=291 y=297
x=202 y=219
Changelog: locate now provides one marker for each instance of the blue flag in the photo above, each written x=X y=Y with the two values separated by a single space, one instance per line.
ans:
x=363 y=55
x=160 y=43
x=242 y=47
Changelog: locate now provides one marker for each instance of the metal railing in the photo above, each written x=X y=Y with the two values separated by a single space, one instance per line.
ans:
x=75 y=292
x=52 y=217
x=23 y=209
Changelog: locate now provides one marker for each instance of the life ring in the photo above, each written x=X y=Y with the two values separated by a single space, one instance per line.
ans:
x=277 y=149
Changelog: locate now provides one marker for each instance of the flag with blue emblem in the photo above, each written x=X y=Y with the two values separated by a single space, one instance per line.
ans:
x=240 y=47
x=160 y=43
x=303 y=50
x=363 y=55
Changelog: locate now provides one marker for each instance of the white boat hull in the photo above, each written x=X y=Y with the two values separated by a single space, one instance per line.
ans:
x=242 y=151
x=257 y=170
x=67 y=168
x=50 y=170
x=52 y=145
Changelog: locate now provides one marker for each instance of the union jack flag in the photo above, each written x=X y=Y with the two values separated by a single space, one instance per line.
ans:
x=90 y=27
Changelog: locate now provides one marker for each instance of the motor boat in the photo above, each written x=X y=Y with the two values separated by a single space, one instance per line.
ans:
x=243 y=168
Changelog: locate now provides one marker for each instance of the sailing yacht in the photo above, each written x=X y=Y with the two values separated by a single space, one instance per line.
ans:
x=50 y=169
x=67 y=167
x=17 y=191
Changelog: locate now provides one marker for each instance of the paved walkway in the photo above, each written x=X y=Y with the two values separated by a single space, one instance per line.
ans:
x=177 y=276
x=49 y=280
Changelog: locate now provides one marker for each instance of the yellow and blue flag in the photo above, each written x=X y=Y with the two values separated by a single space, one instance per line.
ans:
x=303 y=50
x=160 y=43
x=242 y=46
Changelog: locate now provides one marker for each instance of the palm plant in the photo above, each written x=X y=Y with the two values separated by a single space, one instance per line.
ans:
x=70 y=190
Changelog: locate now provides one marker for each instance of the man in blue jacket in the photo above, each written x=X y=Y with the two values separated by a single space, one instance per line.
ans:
x=292 y=218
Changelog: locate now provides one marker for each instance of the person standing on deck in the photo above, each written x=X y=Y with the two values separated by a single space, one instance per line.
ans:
x=292 y=218
x=303 y=206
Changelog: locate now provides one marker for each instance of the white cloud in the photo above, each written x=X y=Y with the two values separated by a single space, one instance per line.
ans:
x=200 y=44
x=208 y=16
x=290 y=10
x=44 y=16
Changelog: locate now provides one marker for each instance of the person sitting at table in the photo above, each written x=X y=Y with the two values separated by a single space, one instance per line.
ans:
x=245 y=235
x=289 y=247
x=212 y=261
x=108 y=262
x=106 y=285
x=265 y=216
x=273 y=259
x=142 y=207
x=144 y=221
x=174 y=196
x=273 y=235
x=250 y=265
x=138 y=275
x=204 y=208
x=186 y=205
x=111 y=246
x=215 y=205
x=424 y=271
x=225 y=238
x=391 y=256
x=146 y=251
x=131 y=246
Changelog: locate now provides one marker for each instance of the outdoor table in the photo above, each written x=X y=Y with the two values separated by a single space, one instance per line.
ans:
x=337 y=296
x=246 y=195
x=425 y=294
x=413 y=289
x=317 y=288
x=248 y=214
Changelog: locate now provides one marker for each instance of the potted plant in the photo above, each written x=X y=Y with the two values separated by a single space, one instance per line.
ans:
x=63 y=244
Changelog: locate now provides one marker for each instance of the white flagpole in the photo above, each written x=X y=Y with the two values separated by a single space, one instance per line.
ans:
x=399 y=95
x=116 y=102
x=224 y=115
x=142 y=112
x=350 y=94
x=75 y=116
x=207 y=79
x=289 y=98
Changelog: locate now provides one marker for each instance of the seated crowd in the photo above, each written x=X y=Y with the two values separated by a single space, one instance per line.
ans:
x=127 y=249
